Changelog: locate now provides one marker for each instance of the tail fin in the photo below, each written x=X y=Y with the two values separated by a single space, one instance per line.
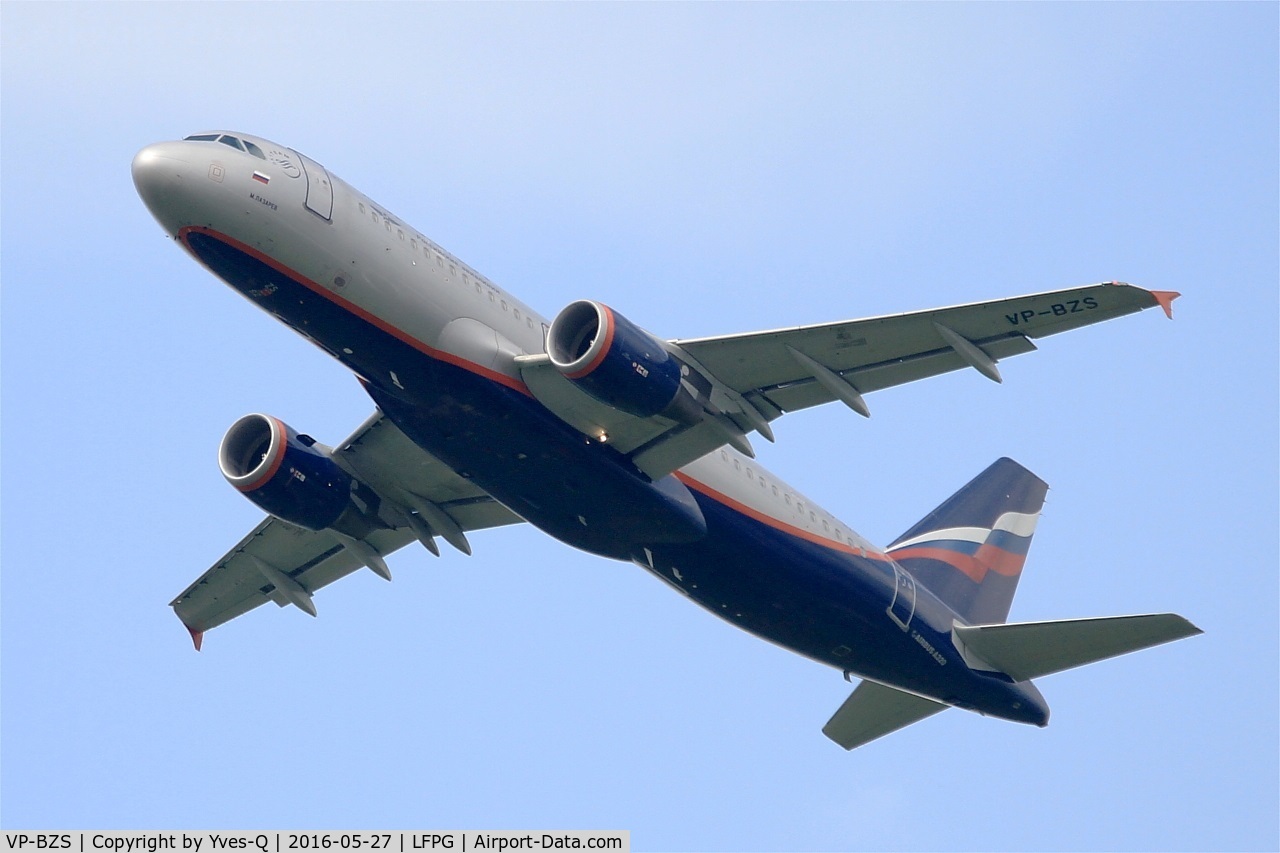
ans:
x=970 y=550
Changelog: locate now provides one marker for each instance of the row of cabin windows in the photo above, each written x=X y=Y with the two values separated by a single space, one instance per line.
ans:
x=467 y=277
x=840 y=535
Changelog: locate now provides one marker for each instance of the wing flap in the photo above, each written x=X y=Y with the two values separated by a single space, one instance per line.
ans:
x=806 y=391
x=874 y=710
x=234 y=585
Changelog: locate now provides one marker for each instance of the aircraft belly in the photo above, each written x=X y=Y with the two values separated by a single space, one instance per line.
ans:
x=579 y=493
x=479 y=422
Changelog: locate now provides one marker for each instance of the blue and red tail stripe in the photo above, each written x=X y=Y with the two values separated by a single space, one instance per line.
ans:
x=970 y=551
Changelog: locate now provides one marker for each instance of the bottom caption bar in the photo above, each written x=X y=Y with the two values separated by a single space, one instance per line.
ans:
x=275 y=841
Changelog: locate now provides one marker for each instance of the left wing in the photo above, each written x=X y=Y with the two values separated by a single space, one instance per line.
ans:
x=278 y=561
x=745 y=381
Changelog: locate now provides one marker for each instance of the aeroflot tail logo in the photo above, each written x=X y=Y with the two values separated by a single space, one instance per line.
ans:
x=1001 y=548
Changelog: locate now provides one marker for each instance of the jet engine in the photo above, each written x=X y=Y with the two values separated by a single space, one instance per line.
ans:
x=289 y=475
x=618 y=363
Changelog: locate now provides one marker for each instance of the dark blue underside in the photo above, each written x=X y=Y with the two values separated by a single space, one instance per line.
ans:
x=826 y=604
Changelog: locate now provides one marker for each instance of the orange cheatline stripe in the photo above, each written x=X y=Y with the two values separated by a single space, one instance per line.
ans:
x=440 y=355
x=770 y=521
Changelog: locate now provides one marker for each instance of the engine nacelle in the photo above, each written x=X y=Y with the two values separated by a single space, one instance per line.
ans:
x=617 y=362
x=284 y=473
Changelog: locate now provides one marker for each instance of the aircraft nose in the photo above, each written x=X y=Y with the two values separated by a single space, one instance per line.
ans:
x=159 y=172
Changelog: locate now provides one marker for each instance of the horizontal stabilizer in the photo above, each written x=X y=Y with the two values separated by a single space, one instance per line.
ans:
x=1026 y=650
x=874 y=710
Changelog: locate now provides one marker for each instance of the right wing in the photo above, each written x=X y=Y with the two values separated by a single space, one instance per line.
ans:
x=284 y=563
x=880 y=352
x=744 y=381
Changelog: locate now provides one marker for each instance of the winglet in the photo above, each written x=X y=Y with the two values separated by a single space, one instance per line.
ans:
x=197 y=637
x=1164 y=298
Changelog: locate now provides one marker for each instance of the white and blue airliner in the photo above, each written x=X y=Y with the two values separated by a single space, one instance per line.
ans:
x=618 y=442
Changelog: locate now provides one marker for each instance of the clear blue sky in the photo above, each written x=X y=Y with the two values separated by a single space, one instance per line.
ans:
x=704 y=169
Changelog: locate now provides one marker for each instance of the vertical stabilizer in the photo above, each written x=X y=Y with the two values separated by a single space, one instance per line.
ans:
x=970 y=550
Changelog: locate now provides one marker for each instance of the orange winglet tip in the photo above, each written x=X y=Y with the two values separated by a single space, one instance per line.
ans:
x=1164 y=298
x=197 y=637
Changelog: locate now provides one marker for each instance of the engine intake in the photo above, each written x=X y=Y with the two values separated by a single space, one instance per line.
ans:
x=284 y=473
x=617 y=362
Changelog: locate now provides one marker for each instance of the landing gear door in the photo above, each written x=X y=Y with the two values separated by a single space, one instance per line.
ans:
x=903 y=605
x=319 y=187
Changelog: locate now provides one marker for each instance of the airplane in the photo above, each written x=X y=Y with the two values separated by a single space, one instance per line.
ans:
x=617 y=442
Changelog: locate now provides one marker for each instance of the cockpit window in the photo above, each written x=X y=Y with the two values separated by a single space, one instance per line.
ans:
x=228 y=139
